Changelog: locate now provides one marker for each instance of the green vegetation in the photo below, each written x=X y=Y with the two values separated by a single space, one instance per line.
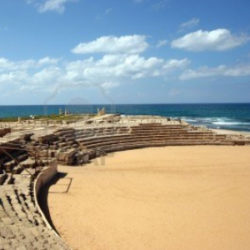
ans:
x=53 y=117
x=8 y=119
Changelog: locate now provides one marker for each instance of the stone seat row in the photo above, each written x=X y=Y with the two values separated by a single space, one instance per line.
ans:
x=137 y=139
x=116 y=139
x=180 y=141
x=184 y=132
x=71 y=137
x=139 y=136
x=131 y=145
x=21 y=223
x=77 y=146
x=108 y=144
x=91 y=130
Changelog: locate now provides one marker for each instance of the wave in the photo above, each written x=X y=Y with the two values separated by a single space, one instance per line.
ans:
x=218 y=122
x=231 y=123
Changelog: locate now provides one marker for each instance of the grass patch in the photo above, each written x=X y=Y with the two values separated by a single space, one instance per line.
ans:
x=52 y=117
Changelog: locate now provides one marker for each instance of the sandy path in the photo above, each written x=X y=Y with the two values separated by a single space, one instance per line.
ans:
x=157 y=198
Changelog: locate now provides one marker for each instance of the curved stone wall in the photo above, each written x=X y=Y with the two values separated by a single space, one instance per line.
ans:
x=22 y=222
x=43 y=179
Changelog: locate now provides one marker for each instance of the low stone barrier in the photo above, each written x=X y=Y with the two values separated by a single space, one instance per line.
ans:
x=43 y=179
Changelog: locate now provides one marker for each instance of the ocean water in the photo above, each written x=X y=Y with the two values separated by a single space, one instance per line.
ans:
x=224 y=116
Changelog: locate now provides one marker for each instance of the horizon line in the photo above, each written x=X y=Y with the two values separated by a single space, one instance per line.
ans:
x=110 y=104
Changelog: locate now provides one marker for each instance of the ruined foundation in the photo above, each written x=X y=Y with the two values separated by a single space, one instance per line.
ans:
x=29 y=156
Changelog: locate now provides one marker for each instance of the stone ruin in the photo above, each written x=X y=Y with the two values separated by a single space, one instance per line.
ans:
x=22 y=175
x=28 y=162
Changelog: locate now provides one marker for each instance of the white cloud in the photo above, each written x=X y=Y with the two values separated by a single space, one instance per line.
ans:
x=161 y=43
x=7 y=65
x=110 y=70
x=174 y=64
x=132 y=44
x=218 y=40
x=222 y=70
x=189 y=24
x=50 y=5
x=116 y=68
x=47 y=60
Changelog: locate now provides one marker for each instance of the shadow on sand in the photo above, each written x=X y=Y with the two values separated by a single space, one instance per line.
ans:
x=43 y=196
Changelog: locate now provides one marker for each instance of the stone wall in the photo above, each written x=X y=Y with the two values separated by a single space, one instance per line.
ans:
x=43 y=179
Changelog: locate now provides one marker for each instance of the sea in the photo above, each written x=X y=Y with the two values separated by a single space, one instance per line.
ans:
x=229 y=116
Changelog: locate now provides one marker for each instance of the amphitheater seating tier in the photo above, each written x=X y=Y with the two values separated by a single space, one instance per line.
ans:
x=22 y=226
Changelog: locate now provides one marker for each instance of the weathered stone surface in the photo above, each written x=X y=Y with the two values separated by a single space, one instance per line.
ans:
x=21 y=225
x=29 y=163
x=24 y=158
x=4 y=131
x=48 y=139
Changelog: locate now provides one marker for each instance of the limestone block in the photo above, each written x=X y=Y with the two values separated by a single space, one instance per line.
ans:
x=29 y=163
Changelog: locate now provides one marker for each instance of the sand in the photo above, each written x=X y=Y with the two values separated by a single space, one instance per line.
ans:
x=157 y=198
x=231 y=132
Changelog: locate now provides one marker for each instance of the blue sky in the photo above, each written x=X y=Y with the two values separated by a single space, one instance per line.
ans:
x=127 y=51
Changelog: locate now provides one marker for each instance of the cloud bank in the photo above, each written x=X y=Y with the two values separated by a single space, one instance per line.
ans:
x=217 y=40
x=132 y=44
x=121 y=62
x=50 y=5
x=221 y=70
x=48 y=73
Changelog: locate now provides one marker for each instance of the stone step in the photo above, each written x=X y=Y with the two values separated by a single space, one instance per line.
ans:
x=18 y=169
x=28 y=163
x=89 y=143
x=158 y=142
x=3 y=177
x=124 y=146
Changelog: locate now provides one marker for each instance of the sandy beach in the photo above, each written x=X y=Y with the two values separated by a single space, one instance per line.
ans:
x=156 y=198
x=231 y=132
